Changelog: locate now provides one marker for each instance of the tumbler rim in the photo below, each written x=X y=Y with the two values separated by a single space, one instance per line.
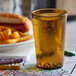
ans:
x=64 y=12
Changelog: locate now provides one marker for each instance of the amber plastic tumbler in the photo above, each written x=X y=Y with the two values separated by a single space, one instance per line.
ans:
x=49 y=26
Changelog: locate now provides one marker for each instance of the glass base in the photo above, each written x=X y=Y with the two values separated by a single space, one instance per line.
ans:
x=51 y=68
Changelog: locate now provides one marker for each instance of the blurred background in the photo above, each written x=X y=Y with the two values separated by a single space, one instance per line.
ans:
x=25 y=7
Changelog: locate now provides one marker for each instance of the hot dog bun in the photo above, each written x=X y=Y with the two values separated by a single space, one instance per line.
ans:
x=18 y=22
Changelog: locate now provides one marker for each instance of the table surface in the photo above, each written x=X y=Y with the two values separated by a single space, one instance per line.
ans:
x=70 y=45
x=70 y=36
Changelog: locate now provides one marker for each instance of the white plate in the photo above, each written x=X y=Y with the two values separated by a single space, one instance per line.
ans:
x=24 y=48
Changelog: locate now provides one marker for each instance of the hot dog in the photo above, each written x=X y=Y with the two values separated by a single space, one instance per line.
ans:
x=18 y=22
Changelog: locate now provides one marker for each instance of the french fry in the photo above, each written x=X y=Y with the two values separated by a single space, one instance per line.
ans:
x=24 y=38
x=2 y=28
x=15 y=35
x=11 y=41
x=11 y=36
x=9 y=32
x=1 y=36
x=21 y=34
x=5 y=34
